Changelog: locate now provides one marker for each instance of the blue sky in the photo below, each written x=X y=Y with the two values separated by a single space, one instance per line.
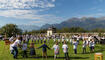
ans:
x=40 y=12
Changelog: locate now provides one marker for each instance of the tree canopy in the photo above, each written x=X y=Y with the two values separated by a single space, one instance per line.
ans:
x=10 y=30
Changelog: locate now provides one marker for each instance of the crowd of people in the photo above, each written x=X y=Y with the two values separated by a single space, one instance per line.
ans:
x=22 y=41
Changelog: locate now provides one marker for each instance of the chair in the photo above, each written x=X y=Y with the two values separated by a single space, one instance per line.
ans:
x=98 y=56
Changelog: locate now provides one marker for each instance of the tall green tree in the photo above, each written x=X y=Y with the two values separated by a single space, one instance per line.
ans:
x=10 y=30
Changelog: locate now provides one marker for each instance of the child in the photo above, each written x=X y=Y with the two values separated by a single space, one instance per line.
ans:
x=32 y=49
x=63 y=39
x=56 y=49
x=75 y=43
x=78 y=38
x=24 y=49
x=93 y=45
x=44 y=49
x=65 y=50
x=71 y=41
x=84 y=46
x=90 y=45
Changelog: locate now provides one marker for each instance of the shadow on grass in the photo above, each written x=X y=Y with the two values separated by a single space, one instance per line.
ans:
x=79 y=57
x=97 y=49
x=52 y=57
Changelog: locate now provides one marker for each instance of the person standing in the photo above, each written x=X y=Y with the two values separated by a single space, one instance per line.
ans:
x=56 y=50
x=44 y=49
x=24 y=49
x=65 y=50
x=90 y=45
x=32 y=49
x=84 y=46
x=75 y=43
x=93 y=45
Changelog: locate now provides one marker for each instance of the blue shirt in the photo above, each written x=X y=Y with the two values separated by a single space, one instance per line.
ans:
x=44 y=47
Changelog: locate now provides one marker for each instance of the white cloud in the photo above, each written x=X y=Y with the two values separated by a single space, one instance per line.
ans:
x=21 y=14
x=31 y=15
x=18 y=8
x=50 y=19
x=29 y=10
x=26 y=4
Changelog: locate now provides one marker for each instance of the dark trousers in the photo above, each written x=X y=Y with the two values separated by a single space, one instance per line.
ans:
x=41 y=41
x=15 y=52
x=66 y=55
x=90 y=49
x=32 y=51
x=84 y=50
x=12 y=51
x=24 y=53
x=75 y=51
x=38 y=41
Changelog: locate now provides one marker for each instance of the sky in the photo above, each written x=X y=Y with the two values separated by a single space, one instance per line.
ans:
x=40 y=12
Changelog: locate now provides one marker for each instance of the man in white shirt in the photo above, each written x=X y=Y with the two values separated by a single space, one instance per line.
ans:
x=15 y=46
x=16 y=43
x=65 y=50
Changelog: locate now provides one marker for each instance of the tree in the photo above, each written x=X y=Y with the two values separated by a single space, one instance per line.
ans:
x=10 y=30
x=99 y=30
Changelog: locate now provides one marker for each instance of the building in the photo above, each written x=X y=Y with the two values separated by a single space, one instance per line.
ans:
x=50 y=31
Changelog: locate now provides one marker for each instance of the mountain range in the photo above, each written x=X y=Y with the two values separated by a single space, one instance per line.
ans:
x=84 y=22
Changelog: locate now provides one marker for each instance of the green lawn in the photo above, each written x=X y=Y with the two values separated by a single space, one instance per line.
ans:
x=5 y=53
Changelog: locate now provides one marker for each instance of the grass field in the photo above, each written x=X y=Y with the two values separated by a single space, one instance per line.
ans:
x=5 y=53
